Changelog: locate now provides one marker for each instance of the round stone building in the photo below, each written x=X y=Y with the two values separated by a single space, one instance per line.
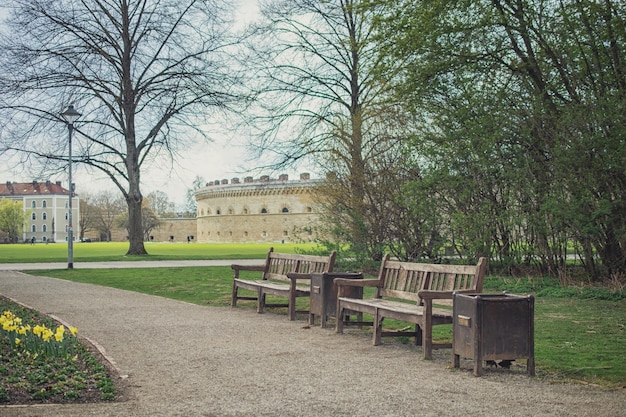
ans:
x=257 y=210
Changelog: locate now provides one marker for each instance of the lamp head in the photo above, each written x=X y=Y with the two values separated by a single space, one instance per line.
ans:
x=70 y=115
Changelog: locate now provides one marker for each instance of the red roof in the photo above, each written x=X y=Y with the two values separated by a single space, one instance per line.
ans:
x=32 y=188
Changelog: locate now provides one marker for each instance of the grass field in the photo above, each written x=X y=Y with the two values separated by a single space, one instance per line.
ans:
x=579 y=331
x=115 y=251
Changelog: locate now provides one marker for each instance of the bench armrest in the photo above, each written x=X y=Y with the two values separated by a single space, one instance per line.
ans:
x=435 y=295
x=293 y=276
x=442 y=295
x=237 y=268
x=340 y=282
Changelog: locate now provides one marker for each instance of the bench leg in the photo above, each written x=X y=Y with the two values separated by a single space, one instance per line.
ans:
x=260 y=304
x=233 y=300
x=427 y=329
x=418 y=335
x=292 y=306
x=339 y=319
x=377 y=328
x=530 y=366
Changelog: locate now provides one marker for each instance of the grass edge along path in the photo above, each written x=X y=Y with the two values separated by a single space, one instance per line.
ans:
x=577 y=337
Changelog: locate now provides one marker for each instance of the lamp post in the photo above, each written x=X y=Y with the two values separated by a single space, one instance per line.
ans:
x=70 y=115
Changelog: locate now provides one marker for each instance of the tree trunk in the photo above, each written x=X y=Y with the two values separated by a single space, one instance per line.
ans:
x=135 y=230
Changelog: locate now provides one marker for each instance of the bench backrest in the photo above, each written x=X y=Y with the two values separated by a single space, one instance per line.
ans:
x=278 y=265
x=403 y=280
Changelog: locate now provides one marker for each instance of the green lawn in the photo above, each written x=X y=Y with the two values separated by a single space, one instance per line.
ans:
x=115 y=251
x=579 y=331
x=576 y=337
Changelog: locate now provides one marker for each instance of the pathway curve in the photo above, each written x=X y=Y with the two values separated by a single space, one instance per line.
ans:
x=189 y=360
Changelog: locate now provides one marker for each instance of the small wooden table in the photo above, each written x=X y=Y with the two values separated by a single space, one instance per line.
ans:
x=324 y=294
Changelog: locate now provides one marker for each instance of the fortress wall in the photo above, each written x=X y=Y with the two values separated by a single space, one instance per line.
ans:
x=264 y=210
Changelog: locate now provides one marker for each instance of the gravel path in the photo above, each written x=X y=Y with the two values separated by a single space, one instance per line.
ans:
x=188 y=360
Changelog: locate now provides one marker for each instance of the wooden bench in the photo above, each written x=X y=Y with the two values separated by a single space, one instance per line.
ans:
x=275 y=280
x=412 y=292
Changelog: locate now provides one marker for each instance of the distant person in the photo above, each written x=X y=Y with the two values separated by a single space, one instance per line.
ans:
x=188 y=239
x=32 y=240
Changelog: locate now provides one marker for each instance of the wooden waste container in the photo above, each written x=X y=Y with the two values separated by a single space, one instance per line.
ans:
x=324 y=294
x=493 y=327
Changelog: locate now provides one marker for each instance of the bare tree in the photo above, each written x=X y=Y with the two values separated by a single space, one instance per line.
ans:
x=146 y=75
x=321 y=96
x=108 y=207
x=160 y=204
x=88 y=214
x=150 y=221
x=190 y=197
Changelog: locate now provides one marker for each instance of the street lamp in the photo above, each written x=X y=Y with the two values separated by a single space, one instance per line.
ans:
x=70 y=115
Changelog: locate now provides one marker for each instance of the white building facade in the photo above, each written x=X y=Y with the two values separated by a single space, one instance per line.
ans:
x=47 y=206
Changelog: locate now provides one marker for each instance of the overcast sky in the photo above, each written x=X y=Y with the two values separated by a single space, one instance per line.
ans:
x=224 y=158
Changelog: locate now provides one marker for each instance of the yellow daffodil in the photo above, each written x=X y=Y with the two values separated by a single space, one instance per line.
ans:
x=58 y=336
x=38 y=330
x=73 y=330
x=17 y=341
x=46 y=335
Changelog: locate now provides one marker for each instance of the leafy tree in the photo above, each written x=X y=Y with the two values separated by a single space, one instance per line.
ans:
x=522 y=123
x=146 y=75
x=12 y=218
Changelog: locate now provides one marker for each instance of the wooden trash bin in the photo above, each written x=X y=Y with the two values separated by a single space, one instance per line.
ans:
x=492 y=327
x=324 y=294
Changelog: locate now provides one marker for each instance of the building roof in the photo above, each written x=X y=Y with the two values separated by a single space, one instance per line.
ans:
x=34 y=188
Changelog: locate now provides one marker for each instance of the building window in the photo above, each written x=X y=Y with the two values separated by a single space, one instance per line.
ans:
x=44 y=228
x=231 y=211
x=67 y=204
x=67 y=216
x=263 y=210
x=285 y=210
x=33 y=204
x=44 y=204
x=44 y=216
x=218 y=212
x=285 y=233
x=245 y=211
x=309 y=209
x=33 y=228
x=33 y=216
